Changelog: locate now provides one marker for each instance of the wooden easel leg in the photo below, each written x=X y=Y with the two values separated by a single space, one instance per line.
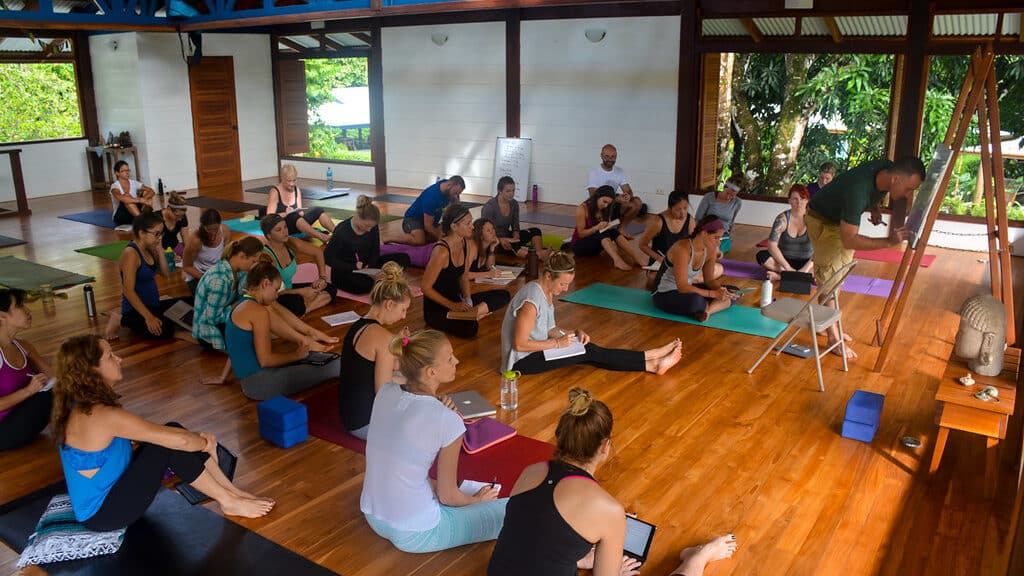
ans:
x=1006 y=272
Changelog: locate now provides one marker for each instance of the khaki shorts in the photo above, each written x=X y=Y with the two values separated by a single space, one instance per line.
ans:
x=829 y=253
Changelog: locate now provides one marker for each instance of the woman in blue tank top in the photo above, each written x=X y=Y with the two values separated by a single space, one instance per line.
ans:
x=110 y=484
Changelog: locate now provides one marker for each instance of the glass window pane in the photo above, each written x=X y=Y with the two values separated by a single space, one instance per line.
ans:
x=338 y=98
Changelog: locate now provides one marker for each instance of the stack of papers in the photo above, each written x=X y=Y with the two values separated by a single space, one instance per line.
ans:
x=574 y=349
x=341 y=318
x=505 y=277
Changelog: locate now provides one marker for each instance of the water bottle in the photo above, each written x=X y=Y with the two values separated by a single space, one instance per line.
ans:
x=766 y=293
x=330 y=179
x=510 y=390
x=159 y=186
x=532 y=262
x=169 y=255
x=90 y=301
x=534 y=194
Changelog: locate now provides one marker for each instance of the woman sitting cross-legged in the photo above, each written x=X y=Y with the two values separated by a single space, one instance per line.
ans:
x=175 y=224
x=355 y=245
x=129 y=197
x=529 y=328
x=503 y=212
x=409 y=429
x=669 y=227
x=142 y=310
x=486 y=242
x=263 y=372
x=285 y=198
x=366 y=363
x=678 y=289
x=592 y=233
x=110 y=484
x=445 y=282
x=204 y=248
x=298 y=298
x=789 y=246
x=560 y=520
x=24 y=405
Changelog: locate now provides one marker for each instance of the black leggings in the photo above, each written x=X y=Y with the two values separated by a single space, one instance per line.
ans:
x=525 y=240
x=355 y=283
x=607 y=358
x=26 y=421
x=296 y=304
x=591 y=245
x=310 y=215
x=684 y=304
x=436 y=316
x=135 y=490
x=136 y=323
x=122 y=217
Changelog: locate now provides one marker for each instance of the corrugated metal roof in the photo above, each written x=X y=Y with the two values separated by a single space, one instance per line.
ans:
x=346 y=39
x=723 y=27
x=776 y=26
x=872 y=25
x=964 y=24
x=1011 y=25
x=813 y=27
x=305 y=41
x=28 y=45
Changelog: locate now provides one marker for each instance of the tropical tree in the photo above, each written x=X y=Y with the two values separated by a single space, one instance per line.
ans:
x=40 y=102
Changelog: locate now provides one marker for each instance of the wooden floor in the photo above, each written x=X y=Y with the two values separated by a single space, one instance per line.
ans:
x=703 y=450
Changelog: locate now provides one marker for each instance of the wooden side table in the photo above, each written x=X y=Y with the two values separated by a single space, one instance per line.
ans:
x=960 y=410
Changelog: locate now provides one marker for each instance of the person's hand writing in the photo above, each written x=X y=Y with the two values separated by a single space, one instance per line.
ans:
x=460 y=307
x=359 y=265
x=37 y=382
x=875 y=216
x=486 y=493
x=564 y=340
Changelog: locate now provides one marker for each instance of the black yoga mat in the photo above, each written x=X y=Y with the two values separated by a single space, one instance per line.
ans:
x=567 y=221
x=308 y=193
x=222 y=204
x=403 y=199
x=103 y=218
x=6 y=241
x=172 y=538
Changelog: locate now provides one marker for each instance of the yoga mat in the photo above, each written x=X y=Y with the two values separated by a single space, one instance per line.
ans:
x=890 y=255
x=342 y=214
x=418 y=255
x=25 y=275
x=403 y=199
x=222 y=204
x=742 y=319
x=110 y=251
x=7 y=241
x=308 y=193
x=762 y=244
x=740 y=269
x=553 y=241
x=568 y=221
x=307 y=272
x=505 y=460
x=867 y=285
x=171 y=538
x=244 y=226
x=103 y=218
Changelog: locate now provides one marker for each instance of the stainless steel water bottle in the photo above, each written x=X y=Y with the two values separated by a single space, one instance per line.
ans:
x=90 y=301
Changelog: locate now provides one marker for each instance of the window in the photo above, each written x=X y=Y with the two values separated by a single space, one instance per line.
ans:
x=38 y=89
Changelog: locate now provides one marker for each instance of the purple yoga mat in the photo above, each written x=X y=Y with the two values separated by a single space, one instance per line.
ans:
x=867 y=285
x=739 y=269
x=567 y=221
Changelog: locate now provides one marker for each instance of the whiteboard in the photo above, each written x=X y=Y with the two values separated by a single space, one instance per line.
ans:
x=512 y=158
x=928 y=192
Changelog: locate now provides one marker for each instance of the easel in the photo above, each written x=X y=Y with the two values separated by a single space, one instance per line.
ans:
x=977 y=96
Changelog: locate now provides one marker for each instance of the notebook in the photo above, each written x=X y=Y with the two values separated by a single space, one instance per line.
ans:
x=575 y=349
x=471 y=404
x=181 y=314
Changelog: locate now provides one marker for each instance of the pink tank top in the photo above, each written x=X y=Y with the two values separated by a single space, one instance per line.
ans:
x=13 y=379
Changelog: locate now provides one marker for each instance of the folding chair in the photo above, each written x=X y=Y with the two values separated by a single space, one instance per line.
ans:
x=812 y=315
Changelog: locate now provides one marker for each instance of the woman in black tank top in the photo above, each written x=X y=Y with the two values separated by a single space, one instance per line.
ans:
x=366 y=364
x=285 y=198
x=671 y=226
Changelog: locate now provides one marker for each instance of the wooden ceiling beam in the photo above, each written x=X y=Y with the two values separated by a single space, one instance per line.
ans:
x=833 y=29
x=292 y=44
x=362 y=37
x=752 y=29
x=328 y=43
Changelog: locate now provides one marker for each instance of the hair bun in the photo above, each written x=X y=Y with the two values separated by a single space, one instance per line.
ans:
x=579 y=401
x=390 y=272
x=363 y=201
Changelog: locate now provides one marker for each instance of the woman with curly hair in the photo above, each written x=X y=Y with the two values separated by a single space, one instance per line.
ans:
x=111 y=484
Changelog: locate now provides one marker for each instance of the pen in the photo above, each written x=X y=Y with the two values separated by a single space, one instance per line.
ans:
x=495 y=481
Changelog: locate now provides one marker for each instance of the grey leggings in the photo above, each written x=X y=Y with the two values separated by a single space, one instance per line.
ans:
x=288 y=380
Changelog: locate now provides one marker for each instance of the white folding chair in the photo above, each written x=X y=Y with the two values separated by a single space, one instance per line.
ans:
x=813 y=315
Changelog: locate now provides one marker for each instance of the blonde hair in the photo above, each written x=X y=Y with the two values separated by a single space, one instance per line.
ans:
x=390 y=285
x=559 y=263
x=175 y=200
x=416 y=352
x=288 y=170
x=366 y=209
x=250 y=246
x=582 y=427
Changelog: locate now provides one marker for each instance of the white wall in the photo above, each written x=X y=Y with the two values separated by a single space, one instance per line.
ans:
x=118 y=89
x=444 y=106
x=48 y=168
x=578 y=95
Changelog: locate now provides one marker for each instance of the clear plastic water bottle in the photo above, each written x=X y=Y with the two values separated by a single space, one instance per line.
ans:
x=766 y=293
x=330 y=179
x=510 y=390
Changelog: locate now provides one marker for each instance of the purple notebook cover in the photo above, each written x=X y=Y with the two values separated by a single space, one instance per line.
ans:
x=484 y=433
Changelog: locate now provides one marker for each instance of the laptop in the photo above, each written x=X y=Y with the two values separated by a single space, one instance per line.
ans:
x=181 y=314
x=471 y=404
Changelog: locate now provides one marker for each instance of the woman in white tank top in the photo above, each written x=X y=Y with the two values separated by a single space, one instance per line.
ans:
x=204 y=248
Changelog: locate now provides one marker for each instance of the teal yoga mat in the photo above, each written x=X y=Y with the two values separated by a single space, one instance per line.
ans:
x=742 y=319
x=25 y=275
x=244 y=226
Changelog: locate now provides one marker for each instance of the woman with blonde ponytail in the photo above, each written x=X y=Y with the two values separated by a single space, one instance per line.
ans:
x=410 y=427
x=366 y=363
x=355 y=245
x=559 y=520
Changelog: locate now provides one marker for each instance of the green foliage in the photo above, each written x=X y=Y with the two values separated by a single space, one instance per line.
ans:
x=324 y=143
x=40 y=102
x=322 y=76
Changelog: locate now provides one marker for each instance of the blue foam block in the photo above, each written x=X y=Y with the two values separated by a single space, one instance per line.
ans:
x=281 y=413
x=859 y=431
x=865 y=408
x=285 y=438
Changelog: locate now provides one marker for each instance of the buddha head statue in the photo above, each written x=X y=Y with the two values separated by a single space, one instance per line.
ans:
x=981 y=339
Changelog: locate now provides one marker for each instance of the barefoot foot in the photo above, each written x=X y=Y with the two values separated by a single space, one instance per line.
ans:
x=247 y=507
x=665 y=350
x=838 y=351
x=621 y=265
x=696 y=558
x=665 y=362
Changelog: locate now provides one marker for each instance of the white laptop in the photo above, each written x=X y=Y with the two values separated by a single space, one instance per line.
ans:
x=181 y=314
x=471 y=404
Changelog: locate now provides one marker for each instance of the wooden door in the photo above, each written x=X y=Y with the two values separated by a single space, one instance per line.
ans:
x=215 y=122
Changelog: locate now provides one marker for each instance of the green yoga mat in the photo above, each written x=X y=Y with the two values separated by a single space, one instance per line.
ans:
x=25 y=275
x=110 y=251
x=742 y=319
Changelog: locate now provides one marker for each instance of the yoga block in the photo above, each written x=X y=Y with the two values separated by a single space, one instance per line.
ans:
x=281 y=413
x=285 y=438
x=865 y=408
x=859 y=431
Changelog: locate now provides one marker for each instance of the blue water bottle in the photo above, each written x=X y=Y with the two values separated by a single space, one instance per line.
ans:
x=330 y=179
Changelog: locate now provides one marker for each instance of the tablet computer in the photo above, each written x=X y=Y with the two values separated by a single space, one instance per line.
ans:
x=639 y=535
x=318 y=358
x=226 y=461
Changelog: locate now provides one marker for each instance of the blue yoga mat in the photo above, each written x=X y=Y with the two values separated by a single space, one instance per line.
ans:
x=742 y=319
x=103 y=218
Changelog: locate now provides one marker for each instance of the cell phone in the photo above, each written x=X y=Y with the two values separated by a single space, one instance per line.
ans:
x=639 y=535
x=318 y=358
x=226 y=461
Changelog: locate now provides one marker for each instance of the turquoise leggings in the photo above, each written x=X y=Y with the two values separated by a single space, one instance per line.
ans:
x=457 y=527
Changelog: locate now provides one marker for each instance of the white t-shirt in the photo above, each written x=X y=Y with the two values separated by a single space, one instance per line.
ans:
x=133 y=190
x=545 y=321
x=406 y=432
x=600 y=177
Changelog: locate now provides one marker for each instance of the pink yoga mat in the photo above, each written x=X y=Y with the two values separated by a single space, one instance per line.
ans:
x=307 y=272
x=890 y=255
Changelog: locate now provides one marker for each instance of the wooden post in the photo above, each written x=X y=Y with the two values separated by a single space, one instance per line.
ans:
x=1003 y=205
x=985 y=169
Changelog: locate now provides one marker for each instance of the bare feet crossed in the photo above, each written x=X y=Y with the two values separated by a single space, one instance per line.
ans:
x=696 y=558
